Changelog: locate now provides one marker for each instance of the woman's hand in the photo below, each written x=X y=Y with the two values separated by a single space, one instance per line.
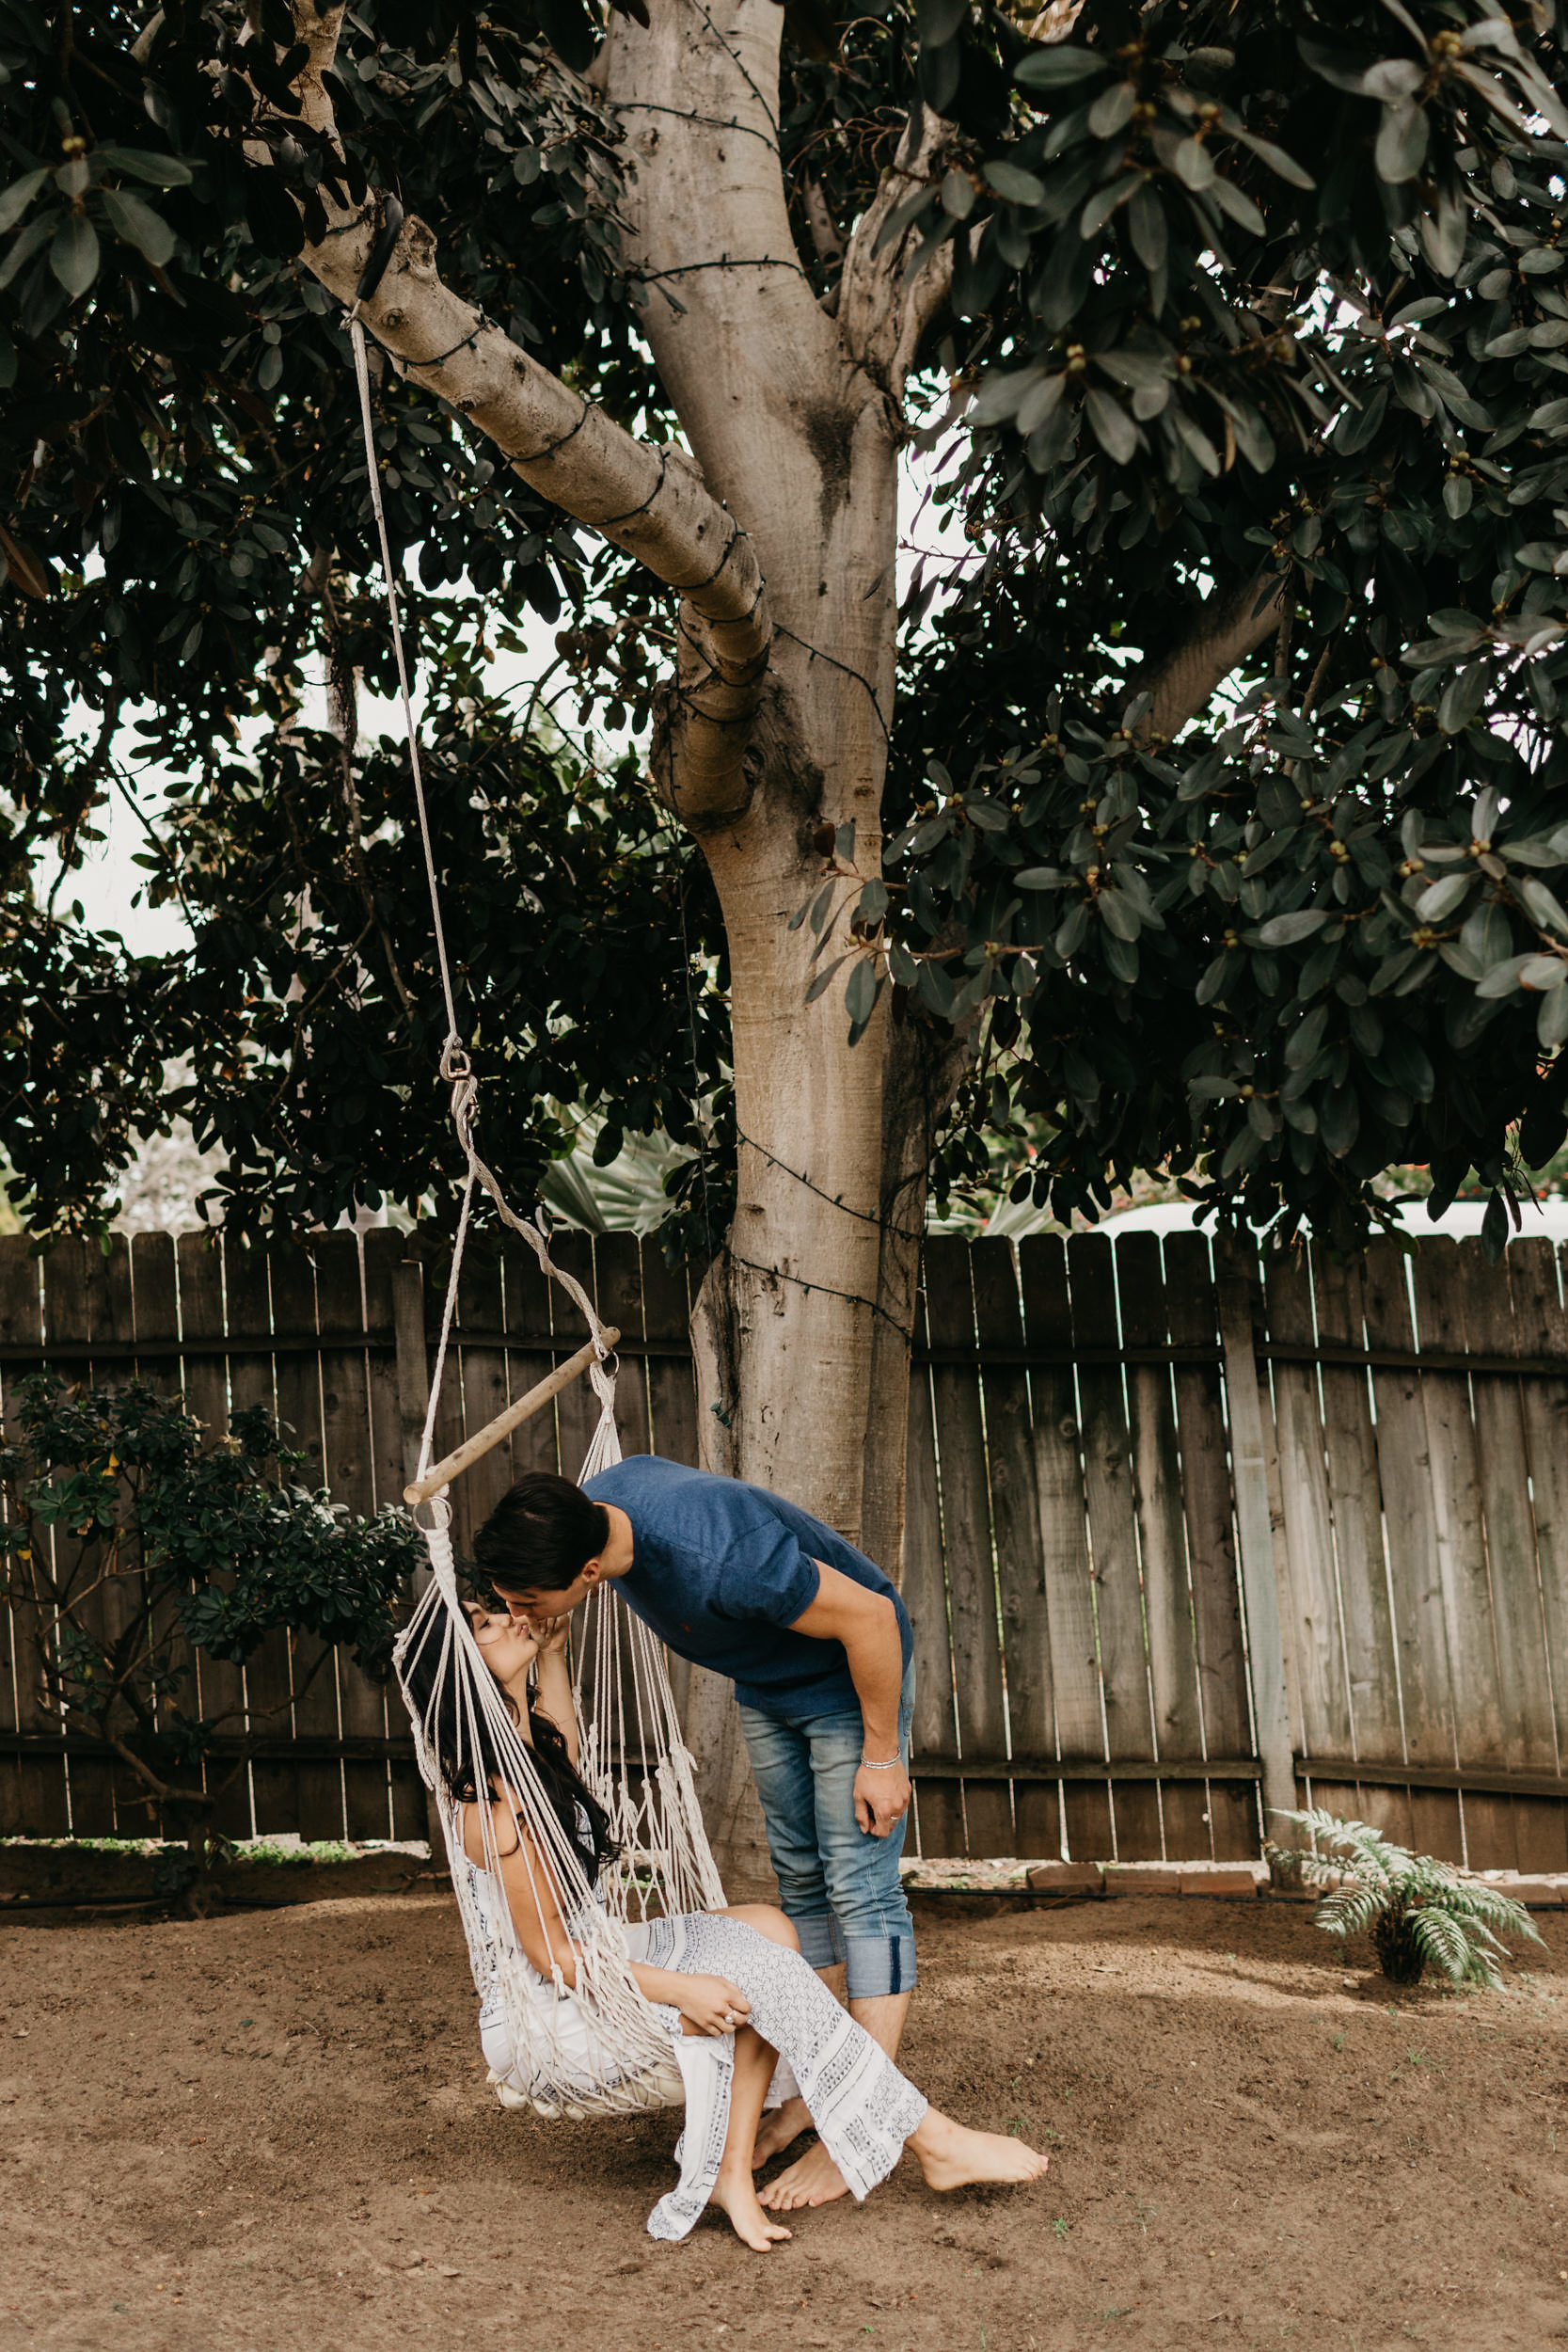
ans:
x=712 y=2005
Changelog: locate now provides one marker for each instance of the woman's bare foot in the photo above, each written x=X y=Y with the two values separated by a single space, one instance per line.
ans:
x=734 y=2193
x=952 y=2156
x=812 y=2179
x=785 y=2124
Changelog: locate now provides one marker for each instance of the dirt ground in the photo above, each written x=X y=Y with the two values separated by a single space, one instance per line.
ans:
x=270 y=2133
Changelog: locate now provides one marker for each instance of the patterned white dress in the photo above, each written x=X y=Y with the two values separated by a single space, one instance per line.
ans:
x=863 y=2108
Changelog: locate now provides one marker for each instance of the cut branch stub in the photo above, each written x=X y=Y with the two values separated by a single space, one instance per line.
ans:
x=648 y=499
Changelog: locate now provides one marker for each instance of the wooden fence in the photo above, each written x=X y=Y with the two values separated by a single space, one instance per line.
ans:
x=1184 y=1540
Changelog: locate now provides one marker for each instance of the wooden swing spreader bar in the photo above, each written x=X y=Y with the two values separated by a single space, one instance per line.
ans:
x=494 y=1431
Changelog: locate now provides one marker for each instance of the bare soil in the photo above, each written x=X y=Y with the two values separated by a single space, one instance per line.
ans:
x=271 y=2133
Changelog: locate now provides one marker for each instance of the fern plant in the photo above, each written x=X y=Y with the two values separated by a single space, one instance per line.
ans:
x=1421 y=1914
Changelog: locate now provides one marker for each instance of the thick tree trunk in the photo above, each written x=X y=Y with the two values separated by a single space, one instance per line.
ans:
x=801 y=1331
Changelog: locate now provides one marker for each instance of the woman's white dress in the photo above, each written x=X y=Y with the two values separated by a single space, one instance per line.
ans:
x=861 y=2105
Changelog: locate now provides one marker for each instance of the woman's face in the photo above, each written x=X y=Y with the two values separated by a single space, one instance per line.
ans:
x=508 y=1647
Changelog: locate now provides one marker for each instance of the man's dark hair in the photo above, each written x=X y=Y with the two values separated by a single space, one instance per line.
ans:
x=541 y=1535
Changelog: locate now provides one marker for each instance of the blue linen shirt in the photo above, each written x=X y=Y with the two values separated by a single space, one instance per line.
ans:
x=721 y=1572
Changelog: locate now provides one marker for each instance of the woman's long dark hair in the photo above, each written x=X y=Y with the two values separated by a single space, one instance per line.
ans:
x=466 y=1758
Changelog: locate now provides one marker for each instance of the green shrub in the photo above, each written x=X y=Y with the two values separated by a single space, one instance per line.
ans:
x=1421 y=1914
x=132 y=1542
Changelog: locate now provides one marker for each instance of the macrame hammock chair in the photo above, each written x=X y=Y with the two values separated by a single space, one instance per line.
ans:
x=596 y=2047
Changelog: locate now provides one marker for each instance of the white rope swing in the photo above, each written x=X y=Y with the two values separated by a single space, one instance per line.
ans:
x=597 y=2047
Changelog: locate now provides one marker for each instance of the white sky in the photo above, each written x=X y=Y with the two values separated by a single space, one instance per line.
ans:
x=109 y=886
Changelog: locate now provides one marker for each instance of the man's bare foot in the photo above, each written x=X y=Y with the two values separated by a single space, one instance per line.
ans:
x=734 y=2193
x=814 y=2178
x=952 y=2156
x=785 y=2124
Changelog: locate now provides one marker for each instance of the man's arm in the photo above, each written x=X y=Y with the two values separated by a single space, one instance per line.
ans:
x=867 y=1625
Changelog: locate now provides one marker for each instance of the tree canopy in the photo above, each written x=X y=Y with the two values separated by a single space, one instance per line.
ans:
x=1220 y=798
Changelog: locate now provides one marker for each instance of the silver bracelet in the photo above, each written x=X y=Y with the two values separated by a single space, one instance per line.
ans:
x=882 y=1764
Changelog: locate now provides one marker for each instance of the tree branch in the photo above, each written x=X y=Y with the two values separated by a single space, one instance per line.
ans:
x=651 y=501
x=1233 y=627
x=883 y=311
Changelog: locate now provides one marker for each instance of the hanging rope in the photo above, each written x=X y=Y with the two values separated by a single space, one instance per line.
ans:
x=456 y=1066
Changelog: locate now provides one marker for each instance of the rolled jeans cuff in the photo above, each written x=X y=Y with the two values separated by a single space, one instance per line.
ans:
x=821 y=1942
x=880 y=1964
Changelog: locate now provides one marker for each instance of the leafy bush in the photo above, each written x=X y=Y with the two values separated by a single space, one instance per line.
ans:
x=1421 y=1914
x=132 y=1542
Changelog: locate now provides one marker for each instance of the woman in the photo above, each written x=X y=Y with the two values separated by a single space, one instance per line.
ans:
x=737 y=1973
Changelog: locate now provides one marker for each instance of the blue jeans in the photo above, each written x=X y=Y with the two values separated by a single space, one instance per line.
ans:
x=838 y=1885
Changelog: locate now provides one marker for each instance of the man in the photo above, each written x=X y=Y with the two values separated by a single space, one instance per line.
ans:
x=817 y=1643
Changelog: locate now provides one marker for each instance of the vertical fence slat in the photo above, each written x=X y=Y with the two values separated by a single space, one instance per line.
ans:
x=966 y=1537
x=1193 y=1310
x=351 y=1476
x=672 y=1391
x=114 y=1317
x=274 y=1785
x=939 y=1798
x=1019 y=1558
x=1543 y=1330
x=1473 y=1698
x=1114 y=1544
x=383 y=1252
x=36 y=1805
x=394 y=1304
x=1251 y=1437
x=1355 y=1503
x=1161 y=1540
x=576 y=1407
x=1415 y=1571
x=312 y=1664
x=618 y=1270
x=1502 y=1833
x=1064 y=1541
x=618 y=1276
x=148 y=1304
x=68 y=1318
x=198 y=1267
x=1323 y=1724
x=480 y=1376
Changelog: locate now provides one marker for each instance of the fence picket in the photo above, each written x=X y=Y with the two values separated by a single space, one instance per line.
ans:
x=146 y=1302
x=671 y=1390
x=1020 y=1559
x=1113 y=1547
x=68 y=1318
x=1415 y=1567
x=199 y=1268
x=1193 y=1312
x=938 y=1795
x=1542 y=1324
x=1064 y=1540
x=1161 y=1540
x=1320 y=1712
x=1520 y=1828
x=312 y=1675
x=966 y=1542
x=351 y=1475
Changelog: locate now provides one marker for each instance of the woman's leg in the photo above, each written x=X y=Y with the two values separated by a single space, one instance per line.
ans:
x=952 y=2156
x=767 y=1919
x=735 y=2189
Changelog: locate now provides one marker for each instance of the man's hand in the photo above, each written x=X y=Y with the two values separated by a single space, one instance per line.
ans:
x=551 y=1634
x=881 y=1798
